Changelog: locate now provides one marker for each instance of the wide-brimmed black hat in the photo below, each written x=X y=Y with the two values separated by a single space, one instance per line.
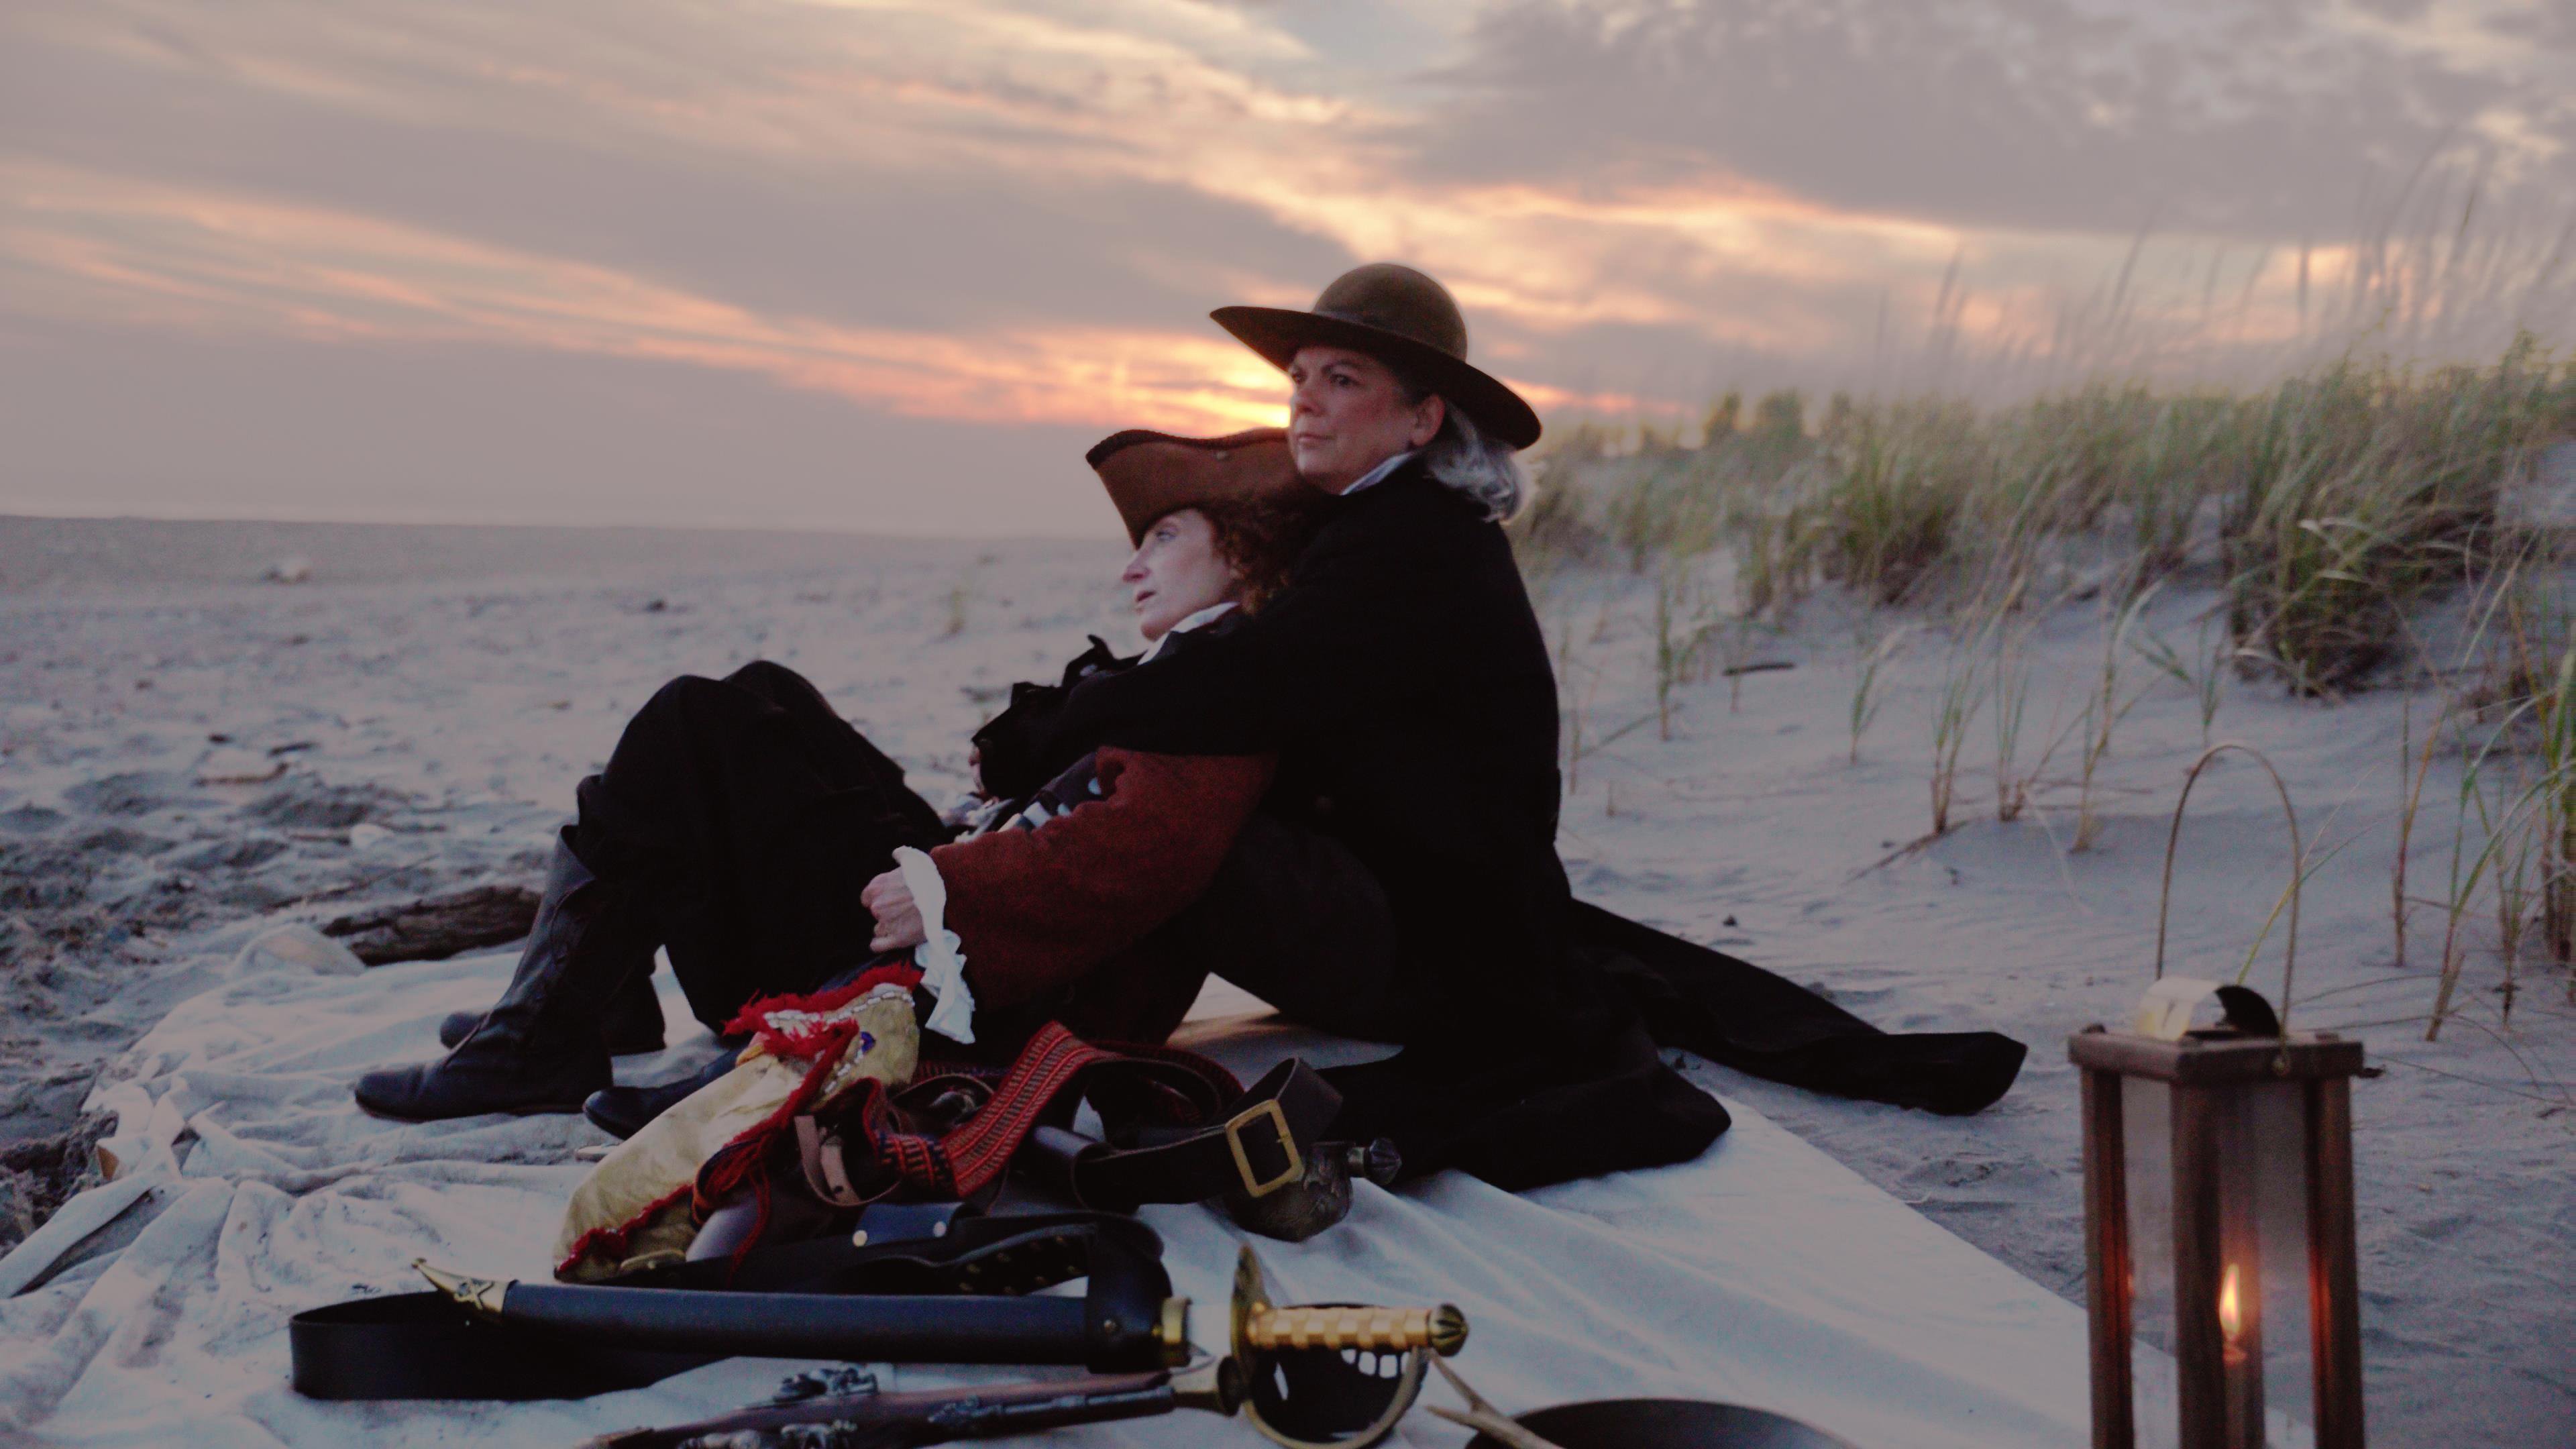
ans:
x=1405 y=320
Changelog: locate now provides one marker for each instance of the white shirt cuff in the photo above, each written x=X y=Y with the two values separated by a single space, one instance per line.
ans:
x=943 y=966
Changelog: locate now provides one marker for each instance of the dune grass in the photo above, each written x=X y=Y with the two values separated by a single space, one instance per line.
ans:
x=2331 y=506
x=2331 y=501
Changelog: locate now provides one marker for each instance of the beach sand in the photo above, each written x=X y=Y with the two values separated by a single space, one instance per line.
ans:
x=189 y=754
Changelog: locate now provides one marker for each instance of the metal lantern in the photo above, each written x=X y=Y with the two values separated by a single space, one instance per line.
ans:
x=2218 y=1218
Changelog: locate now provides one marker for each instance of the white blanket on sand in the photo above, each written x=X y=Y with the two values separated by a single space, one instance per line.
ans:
x=1764 y=1273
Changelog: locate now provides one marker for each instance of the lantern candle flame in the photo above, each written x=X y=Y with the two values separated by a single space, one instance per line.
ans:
x=2231 y=1317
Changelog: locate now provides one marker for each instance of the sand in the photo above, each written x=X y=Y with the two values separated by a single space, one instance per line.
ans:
x=188 y=754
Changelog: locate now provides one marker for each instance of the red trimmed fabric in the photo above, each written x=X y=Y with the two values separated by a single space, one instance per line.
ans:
x=754 y=1016
x=822 y=1045
x=610 y=1241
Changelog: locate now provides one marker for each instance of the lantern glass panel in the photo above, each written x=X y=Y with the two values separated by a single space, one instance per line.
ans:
x=2146 y=1132
x=2263 y=1233
x=2264 y=1199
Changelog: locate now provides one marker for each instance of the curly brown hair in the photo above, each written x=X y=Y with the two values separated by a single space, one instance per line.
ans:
x=1261 y=538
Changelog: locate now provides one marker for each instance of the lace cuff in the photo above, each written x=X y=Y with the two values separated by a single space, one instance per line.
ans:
x=943 y=966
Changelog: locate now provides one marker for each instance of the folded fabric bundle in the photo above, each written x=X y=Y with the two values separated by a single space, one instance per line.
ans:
x=642 y=1206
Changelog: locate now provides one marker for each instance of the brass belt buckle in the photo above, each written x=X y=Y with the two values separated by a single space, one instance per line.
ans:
x=1252 y=1183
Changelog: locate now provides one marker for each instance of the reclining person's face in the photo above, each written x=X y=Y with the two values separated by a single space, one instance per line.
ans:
x=1177 y=571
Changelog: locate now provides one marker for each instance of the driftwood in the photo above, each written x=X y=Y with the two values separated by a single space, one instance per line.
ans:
x=438 y=927
x=39 y=1174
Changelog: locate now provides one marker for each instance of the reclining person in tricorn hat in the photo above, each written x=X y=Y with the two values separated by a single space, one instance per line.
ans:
x=739 y=822
x=1374 y=750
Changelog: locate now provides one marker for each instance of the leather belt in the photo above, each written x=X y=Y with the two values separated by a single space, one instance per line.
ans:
x=1258 y=1148
x=1247 y=1147
x=881 y=1142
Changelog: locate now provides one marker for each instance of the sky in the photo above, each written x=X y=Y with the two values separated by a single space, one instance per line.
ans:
x=890 y=265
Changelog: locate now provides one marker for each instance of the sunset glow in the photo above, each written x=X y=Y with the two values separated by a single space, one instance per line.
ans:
x=1015 y=214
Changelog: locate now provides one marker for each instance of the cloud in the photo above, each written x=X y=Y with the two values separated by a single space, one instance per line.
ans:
x=149 y=255
x=854 y=231
x=104 y=420
x=989 y=215
x=2256 y=122
x=935 y=167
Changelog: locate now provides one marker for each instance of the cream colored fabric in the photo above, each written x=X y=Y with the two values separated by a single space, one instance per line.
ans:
x=644 y=1182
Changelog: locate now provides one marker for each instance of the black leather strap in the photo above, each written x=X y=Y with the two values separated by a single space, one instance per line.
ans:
x=1258 y=1148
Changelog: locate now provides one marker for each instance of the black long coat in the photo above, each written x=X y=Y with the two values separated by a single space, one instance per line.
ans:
x=1404 y=682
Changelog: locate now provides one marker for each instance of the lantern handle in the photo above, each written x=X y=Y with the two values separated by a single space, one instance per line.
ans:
x=2298 y=863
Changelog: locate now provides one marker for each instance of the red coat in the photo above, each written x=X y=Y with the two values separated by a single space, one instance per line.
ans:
x=1037 y=910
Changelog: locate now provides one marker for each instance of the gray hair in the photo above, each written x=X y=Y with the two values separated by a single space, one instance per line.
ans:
x=1460 y=456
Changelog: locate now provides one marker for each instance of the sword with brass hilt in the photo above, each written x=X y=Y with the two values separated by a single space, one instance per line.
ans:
x=1385 y=1350
x=1260 y=1325
x=1265 y=1333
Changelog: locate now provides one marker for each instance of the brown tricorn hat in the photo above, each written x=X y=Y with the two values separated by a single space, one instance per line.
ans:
x=1403 y=319
x=1149 y=474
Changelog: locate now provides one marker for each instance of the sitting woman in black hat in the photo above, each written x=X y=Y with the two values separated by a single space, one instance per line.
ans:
x=1402 y=680
x=1405 y=689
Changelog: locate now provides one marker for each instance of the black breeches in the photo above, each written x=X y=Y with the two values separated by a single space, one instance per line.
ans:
x=754 y=816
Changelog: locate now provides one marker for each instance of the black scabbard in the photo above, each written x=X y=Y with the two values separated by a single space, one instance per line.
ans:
x=1119 y=1324
x=885 y=1328
x=553 y=1341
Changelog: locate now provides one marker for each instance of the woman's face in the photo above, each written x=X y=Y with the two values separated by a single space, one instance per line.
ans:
x=1347 y=414
x=1177 y=571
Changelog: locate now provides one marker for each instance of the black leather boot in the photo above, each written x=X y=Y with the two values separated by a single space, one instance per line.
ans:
x=538 y=1049
x=621 y=1112
x=631 y=1026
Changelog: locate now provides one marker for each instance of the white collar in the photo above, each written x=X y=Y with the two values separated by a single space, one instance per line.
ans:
x=1377 y=475
x=1208 y=615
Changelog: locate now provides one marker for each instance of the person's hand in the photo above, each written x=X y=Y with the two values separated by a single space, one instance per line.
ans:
x=898 y=915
